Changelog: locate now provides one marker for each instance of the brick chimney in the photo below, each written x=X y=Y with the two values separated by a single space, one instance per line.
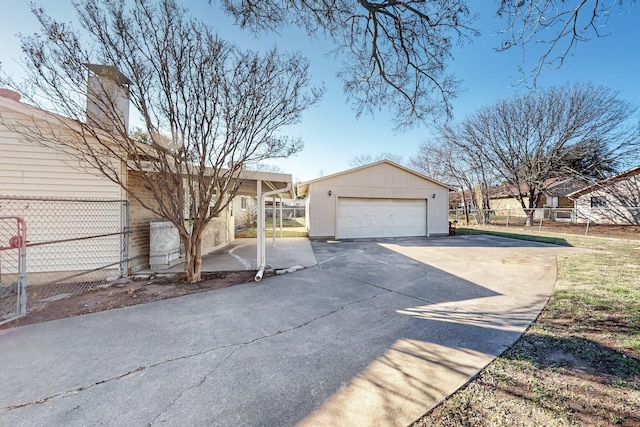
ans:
x=107 y=98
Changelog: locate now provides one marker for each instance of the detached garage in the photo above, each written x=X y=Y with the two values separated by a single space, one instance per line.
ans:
x=382 y=199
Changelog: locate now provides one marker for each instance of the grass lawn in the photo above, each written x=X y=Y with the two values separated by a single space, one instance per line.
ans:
x=579 y=363
x=293 y=227
x=286 y=232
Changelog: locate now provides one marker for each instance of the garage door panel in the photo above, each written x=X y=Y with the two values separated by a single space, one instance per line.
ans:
x=359 y=217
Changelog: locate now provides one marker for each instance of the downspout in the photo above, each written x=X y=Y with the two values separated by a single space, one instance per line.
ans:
x=274 y=241
x=261 y=231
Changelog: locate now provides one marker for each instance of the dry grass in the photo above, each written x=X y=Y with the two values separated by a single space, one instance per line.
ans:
x=286 y=232
x=579 y=363
x=291 y=227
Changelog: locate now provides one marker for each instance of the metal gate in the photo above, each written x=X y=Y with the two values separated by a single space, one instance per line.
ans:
x=13 y=267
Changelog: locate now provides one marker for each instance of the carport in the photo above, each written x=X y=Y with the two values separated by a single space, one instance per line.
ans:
x=382 y=199
x=262 y=185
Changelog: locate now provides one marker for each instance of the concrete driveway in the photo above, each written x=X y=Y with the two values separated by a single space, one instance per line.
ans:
x=375 y=334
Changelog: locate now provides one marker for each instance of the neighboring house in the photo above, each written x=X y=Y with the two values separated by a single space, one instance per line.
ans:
x=615 y=200
x=244 y=211
x=457 y=200
x=557 y=192
x=555 y=195
x=382 y=199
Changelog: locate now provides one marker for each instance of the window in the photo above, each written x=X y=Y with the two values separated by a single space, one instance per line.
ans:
x=243 y=203
x=598 y=202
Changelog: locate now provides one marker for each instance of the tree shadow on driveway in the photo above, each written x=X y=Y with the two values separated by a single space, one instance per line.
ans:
x=473 y=302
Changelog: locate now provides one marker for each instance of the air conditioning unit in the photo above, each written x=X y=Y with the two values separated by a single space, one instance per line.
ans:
x=164 y=245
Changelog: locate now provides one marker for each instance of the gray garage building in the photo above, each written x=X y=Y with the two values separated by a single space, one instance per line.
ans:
x=382 y=199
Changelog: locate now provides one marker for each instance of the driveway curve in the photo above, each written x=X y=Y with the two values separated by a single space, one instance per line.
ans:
x=376 y=333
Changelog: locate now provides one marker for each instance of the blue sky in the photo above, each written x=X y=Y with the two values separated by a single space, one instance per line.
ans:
x=330 y=130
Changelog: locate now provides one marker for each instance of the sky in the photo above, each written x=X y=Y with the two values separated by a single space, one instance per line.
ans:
x=332 y=134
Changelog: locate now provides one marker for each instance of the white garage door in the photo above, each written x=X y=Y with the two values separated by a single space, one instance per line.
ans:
x=380 y=218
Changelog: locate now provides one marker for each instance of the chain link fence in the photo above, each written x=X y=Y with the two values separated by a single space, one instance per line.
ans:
x=73 y=245
x=616 y=222
x=292 y=216
x=12 y=268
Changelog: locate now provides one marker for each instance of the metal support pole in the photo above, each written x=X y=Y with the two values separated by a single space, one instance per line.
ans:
x=273 y=221
x=124 y=271
x=586 y=231
x=260 y=226
x=22 y=267
x=541 y=219
x=281 y=215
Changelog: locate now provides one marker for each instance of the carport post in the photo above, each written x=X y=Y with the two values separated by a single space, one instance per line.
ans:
x=273 y=220
x=262 y=262
x=274 y=242
x=260 y=227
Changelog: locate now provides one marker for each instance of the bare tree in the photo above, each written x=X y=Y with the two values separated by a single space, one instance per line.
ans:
x=527 y=140
x=396 y=53
x=554 y=27
x=264 y=167
x=367 y=159
x=208 y=108
x=457 y=167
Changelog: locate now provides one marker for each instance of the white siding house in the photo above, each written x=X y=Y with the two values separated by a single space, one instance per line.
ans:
x=615 y=200
x=382 y=199
x=41 y=185
x=31 y=169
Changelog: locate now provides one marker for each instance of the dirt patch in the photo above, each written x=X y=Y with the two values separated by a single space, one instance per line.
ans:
x=128 y=292
x=595 y=230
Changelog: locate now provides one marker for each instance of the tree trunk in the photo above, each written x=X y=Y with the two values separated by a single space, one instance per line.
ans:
x=530 y=213
x=466 y=208
x=193 y=259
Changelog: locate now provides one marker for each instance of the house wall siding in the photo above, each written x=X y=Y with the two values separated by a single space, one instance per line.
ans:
x=241 y=216
x=511 y=204
x=139 y=219
x=60 y=186
x=216 y=235
x=623 y=203
x=29 y=169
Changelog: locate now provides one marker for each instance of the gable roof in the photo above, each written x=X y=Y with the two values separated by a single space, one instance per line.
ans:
x=31 y=111
x=631 y=172
x=303 y=187
x=553 y=187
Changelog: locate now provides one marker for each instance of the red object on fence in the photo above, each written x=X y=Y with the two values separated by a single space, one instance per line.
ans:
x=15 y=242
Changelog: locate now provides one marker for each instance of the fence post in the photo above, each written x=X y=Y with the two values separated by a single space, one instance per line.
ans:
x=508 y=215
x=586 y=231
x=22 y=267
x=124 y=271
x=541 y=219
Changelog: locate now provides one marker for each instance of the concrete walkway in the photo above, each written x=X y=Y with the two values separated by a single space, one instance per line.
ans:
x=240 y=254
x=375 y=334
